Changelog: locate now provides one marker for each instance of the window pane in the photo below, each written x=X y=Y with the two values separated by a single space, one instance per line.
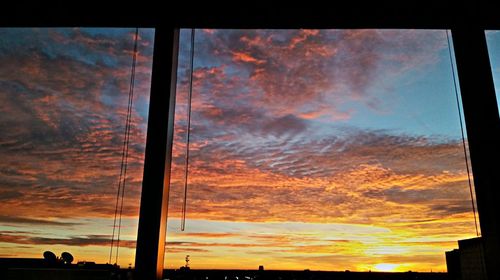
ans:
x=493 y=41
x=319 y=149
x=63 y=107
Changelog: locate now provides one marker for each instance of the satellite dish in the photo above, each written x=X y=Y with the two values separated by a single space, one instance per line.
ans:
x=67 y=258
x=49 y=257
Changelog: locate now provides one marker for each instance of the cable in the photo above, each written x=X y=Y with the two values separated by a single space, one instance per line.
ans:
x=124 y=162
x=463 y=136
x=186 y=169
x=481 y=249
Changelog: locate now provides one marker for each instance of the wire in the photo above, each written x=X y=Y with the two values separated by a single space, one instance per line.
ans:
x=463 y=135
x=124 y=162
x=186 y=169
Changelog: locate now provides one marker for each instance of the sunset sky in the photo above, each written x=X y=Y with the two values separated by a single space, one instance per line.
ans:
x=323 y=149
x=318 y=149
x=63 y=104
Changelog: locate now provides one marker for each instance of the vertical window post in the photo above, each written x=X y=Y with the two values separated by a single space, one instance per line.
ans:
x=155 y=185
x=483 y=130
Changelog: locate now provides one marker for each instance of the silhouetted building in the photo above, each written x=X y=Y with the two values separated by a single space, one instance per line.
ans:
x=261 y=267
x=52 y=268
x=21 y=262
x=466 y=262
x=453 y=265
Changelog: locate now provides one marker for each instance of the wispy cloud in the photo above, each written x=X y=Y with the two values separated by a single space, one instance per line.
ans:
x=30 y=221
x=91 y=240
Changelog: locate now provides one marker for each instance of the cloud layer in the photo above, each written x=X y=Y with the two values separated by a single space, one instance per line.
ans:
x=301 y=153
x=63 y=105
x=284 y=129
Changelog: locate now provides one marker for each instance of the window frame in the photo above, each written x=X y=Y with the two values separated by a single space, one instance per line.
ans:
x=467 y=22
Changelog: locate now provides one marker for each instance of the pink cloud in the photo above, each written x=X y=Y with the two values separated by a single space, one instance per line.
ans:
x=244 y=57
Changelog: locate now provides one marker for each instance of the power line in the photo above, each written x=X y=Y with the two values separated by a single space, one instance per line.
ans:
x=186 y=168
x=462 y=131
x=124 y=161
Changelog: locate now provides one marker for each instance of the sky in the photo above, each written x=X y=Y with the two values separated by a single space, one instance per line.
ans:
x=310 y=149
x=493 y=41
x=63 y=104
x=318 y=149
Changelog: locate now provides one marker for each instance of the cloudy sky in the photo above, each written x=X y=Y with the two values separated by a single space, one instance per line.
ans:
x=319 y=149
x=331 y=149
x=63 y=104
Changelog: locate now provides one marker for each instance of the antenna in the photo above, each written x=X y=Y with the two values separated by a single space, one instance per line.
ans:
x=49 y=257
x=67 y=258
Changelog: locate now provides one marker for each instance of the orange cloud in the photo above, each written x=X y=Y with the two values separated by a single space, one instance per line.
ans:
x=245 y=57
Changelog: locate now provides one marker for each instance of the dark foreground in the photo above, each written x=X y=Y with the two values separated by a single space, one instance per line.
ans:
x=298 y=275
x=75 y=273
